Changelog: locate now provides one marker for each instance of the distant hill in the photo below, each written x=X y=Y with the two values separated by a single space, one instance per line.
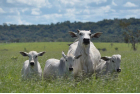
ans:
x=112 y=32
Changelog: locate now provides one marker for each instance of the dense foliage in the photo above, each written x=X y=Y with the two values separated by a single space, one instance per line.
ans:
x=112 y=32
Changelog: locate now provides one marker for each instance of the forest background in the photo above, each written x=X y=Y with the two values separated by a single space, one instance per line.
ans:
x=112 y=31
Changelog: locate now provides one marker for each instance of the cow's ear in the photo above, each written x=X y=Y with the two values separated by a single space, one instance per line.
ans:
x=119 y=56
x=41 y=53
x=105 y=58
x=78 y=30
x=69 y=44
x=24 y=53
x=76 y=57
x=73 y=34
x=63 y=54
x=96 y=35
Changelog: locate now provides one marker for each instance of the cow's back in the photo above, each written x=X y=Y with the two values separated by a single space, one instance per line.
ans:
x=101 y=67
x=51 y=67
x=72 y=48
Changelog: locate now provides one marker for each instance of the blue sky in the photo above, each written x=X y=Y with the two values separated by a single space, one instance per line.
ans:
x=53 y=11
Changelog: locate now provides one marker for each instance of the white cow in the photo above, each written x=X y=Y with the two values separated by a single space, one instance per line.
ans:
x=108 y=65
x=31 y=68
x=90 y=54
x=58 y=68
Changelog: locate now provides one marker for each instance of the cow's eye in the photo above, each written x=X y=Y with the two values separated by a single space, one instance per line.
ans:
x=113 y=61
x=89 y=34
x=66 y=60
x=80 y=34
x=35 y=56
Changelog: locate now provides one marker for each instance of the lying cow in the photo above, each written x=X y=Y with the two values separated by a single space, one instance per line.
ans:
x=90 y=54
x=108 y=65
x=58 y=68
x=31 y=68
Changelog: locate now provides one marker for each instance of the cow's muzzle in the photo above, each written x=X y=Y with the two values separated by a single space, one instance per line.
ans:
x=70 y=69
x=118 y=70
x=32 y=63
x=86 y=41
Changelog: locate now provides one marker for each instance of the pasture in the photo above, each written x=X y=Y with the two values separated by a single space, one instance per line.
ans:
x=11 y=63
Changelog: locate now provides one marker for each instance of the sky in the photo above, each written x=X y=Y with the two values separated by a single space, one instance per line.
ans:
x=35 y=12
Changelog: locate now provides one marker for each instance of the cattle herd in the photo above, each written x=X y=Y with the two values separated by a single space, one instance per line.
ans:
x=82 y=59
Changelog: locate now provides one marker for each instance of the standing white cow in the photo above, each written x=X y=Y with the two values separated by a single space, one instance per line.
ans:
x=31 y=68
x=108 y=65
x=58 y=68
x=90 y=54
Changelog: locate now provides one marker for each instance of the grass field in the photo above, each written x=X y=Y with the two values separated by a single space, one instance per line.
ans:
x=11 y=63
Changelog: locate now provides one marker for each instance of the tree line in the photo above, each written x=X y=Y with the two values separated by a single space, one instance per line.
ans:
x=112 y=31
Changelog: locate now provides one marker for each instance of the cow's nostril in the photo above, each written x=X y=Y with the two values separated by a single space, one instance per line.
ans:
x=118 y=70
x=32 y=63
x=86 y=41
x=70 y=69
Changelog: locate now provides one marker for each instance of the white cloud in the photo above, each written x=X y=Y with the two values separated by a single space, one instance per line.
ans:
x=2 y=11
x=71 y=14
x=17 y=20
x=87 y=14
x=25 y=9
x=21 y=21
x=99 y=1
x=129 y=4
x=36 y=11
x=86 y=11
x=73 y=11
x=113 y=3
x=130 y=16
x=89 y=11
x=81 y=2
x=10 y=1
x=11 y=10
x=70 y=2
x=17 y=10
x=36 y=3
x=8 y=22
x=18 y=13
x=130 y=13
x=103 y=10
x=51 y=16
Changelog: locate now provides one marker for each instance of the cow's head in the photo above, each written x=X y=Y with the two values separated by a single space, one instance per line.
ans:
x=115 y=61
x=70 y=60
x=32 y=56
x=84 y=36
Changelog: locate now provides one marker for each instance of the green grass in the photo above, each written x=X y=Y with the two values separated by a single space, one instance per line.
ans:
x=11 y=63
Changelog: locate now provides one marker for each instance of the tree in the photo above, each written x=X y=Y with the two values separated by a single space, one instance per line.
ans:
x=129 y=35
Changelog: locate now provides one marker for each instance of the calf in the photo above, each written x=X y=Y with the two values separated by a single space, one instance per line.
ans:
x=108 y=65
x=31 y=68
x=58 y=68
